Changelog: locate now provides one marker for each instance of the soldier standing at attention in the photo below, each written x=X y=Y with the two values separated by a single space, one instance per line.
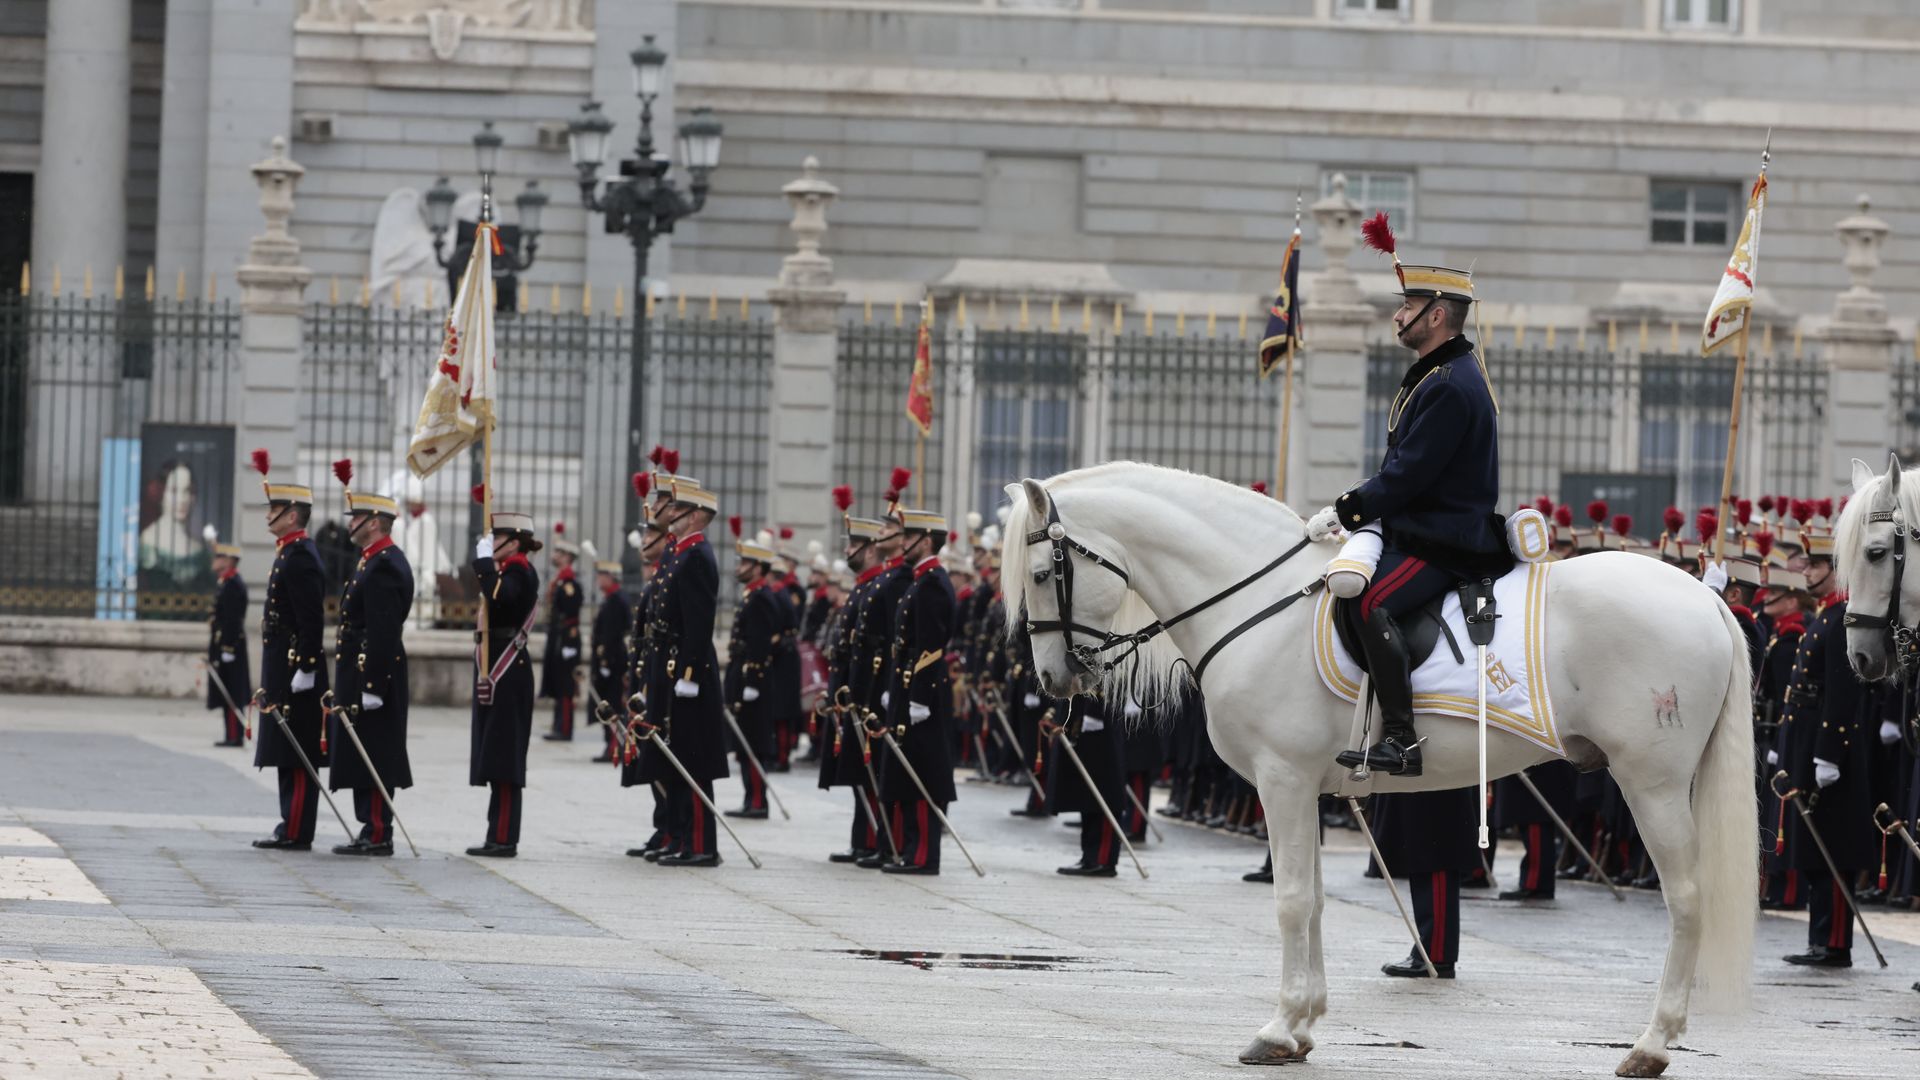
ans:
x=759 y=622
x=292 y=677
x=610 y=625
x=503 y=678
x=918 y=698
x=370 y=673
x=227 y=644
x=559 y=668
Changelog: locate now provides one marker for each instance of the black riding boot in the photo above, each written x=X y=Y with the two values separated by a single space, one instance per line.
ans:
x=1391 y=673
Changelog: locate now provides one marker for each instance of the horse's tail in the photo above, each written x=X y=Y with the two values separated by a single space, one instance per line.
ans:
x=1726 y=818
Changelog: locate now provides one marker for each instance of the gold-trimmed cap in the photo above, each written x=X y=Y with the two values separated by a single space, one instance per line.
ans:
x=1780 y=579
x=361 y=503
x=297 y=494
x=509 y=522
x=1819 y=544
x=1745 y=572
x=859 y=528
x=690 y=493
x=607 y=566
x=927 y=521
x=1441 y=281
x=230 y=551
x=750 y=549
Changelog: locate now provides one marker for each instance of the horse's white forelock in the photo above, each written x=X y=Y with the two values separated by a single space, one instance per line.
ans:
x=1849 y=532
x=1155 y=675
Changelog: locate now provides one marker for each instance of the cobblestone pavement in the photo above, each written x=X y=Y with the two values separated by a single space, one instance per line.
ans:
x=140 y=936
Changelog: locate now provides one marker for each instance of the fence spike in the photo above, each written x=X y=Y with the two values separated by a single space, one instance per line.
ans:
x=553 y=299
x=1086 y=315
x=713 y=307
x=1519 y=333
x=993 y=312
x=86 y=282
x=1766 y=340
x=1119 y=315
x=213 y=286
x=525 y=299
x=147 y=285
x=120 y=281
x=1054 y=323
x=426 y=295
x=1023 y=311
x=619 y=302
x=180 y=285
x=1243 y=326
x=1799 y=343
x=960 y=310
x=1212 y=322
x=56 y=279
x=1149 y=322
x=1643 y=335
x=26 y=279
x=396 y=294
x=1180 y=322
x=333 y=288
x=1673 y=335
x=680 y=306
x=1613 y=336
x=866 y=310
x=366 y=292
x=586 y=298
x=650 y=304
x=1580 y=342
x=745 y=310
x=1550 y=335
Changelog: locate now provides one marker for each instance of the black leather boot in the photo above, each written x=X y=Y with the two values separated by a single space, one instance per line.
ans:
x=1391 y=675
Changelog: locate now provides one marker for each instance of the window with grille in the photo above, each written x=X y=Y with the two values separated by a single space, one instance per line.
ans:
x=1702 y=14
x=1376 y=190
x=1028 y=391
x=1693 y=212
x=1373 y=9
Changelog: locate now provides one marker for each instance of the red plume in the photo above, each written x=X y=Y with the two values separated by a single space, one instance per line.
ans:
x=1802 y=510
x=658 y=454
x=1544 y=505
x=786 y=532
x=900 y=479
x=1763 y=543
x=1622 y=524
x=953 y=536
x=843 y=497
x=642 y=483
x=671 y=461
x=1563 y=516
x=261 y=463
x=479 y=493
x=1743 y=511
x=1704 y=523
x=1843 y=503
x=1378 y=234
x=1597 y=511
x=1260 y=486
x=1673 y=519
x=1824 y=508
x=733 y=526
x=892 y=496
x=559 y=528
x=343 y=471
x=1766 y=504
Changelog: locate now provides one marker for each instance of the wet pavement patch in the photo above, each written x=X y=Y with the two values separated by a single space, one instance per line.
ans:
x=928 y=961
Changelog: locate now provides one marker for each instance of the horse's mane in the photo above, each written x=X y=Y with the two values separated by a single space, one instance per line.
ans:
x=1157 y=673
x=1849 y=538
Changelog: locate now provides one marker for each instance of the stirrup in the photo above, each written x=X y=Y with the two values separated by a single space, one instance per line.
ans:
x=1386 y=756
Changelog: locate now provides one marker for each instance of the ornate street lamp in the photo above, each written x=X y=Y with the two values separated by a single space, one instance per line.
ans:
x=519 y=242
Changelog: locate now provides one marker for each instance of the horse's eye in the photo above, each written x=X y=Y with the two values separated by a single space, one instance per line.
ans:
x=1876 y=554
x=1040 y=577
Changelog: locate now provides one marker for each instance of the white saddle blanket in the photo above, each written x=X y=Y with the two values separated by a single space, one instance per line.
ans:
x=1517 y=697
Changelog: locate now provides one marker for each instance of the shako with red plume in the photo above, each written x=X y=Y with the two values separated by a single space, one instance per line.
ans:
x=1260 y=487
x=1823 y=508
x=1597 y=511
x=1563 y=516
x=1622 y=524
x=1763 y=544
x=733 y=526
x=479 y=493
x=1743 y=511
x=671 y=462
x=1803 y=510
x=786 y=532
x=1544 y=505
x=1673 y=519
x=658 y=455
x=642 y=483
x=343 y=471
x=261 y=461
x=1704 y=523
x=843 y=498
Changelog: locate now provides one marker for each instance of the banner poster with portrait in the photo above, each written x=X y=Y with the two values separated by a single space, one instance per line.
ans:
x=186 y=483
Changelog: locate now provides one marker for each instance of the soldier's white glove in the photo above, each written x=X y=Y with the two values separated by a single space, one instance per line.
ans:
x=227 y=658
x=917 y=712
x=1773 y=759
x=1889 y=732
x=1825 y=773
x=302 y=681
x=484 y=548
x=1132 y=710
x=1031 y=701
x=569 y=653
x=749 y=694
x=1715 y=577
x=605 y=674
x=686 y=688
x=1092 y=723
x=370 y=701
x=884 y=695
x=1323 y=525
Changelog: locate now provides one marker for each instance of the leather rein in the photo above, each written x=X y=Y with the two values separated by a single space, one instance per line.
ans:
x=1089 y=659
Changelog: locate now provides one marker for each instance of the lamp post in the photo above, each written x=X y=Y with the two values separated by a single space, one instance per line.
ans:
x=516 y=256
x=642 y=203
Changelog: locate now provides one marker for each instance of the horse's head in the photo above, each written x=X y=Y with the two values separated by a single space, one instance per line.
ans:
x=1876 y=536
x=1070 y=582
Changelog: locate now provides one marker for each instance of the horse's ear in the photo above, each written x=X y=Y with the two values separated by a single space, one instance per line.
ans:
x=1037 y=500
x=1893 y=473
x=1862 y=476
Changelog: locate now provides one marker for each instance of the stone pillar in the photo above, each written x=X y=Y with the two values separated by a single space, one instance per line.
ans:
x=184 y=114
x=1859 y=351
x=249 y=93
x=1330 y=389
x=81 y=187
x=265 y=397
x=806 y=355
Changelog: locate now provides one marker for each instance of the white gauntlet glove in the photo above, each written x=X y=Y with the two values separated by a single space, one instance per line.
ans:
x=1323 y=525
x=1031 y=701
x=605 y=673
x=484 y=548
x=917 y=712
x=1773 y=759
x=370 y=701
x=884 y=695
x=1715 y=577
x=1825 y=773
x=228 y=658
x=569 y=653
x=1889 y=732
x=749 y=694
x=302 y=681
x=686 y=688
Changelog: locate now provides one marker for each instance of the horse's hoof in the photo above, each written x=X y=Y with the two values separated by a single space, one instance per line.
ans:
x=1263 y=1052
x=1641 y=1063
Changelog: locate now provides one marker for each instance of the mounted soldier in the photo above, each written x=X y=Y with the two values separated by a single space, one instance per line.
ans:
x=1434 y=495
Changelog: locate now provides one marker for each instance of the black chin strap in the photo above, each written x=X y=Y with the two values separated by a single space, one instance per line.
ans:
x=1415 y=321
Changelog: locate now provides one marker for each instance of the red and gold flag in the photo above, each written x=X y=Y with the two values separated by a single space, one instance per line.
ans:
x=1733 y=300
x=459 y=403
x=920 y=389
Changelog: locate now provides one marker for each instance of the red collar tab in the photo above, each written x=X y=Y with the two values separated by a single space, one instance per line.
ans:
x=820 y=593
x=869 y=574
x=653 y=567
x=565 y=574
x=683 y=545
x=515 y=559
x=788 y=581
x=610 y=588
x=1831 y=599
x=965 y=594
x=1741 y=611
x=757 y=583
x=293 y=537
x=376 y=547
x=896 y=562
x=225 y=574
x=924 y=565
x=1792 y=621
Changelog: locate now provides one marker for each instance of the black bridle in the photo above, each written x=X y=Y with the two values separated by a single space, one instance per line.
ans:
x=1089 y=659
x=1903 y=641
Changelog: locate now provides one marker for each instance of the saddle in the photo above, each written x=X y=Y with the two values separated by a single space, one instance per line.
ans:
x=1424 y=629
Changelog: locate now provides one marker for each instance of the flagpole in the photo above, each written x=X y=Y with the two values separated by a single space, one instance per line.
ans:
x=1733 y=441
x=486 y=444
x=1286 y=385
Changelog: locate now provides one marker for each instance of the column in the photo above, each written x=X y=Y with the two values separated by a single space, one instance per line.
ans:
x=806 y=354
x=80 y=192
x=249 y=94
x=1329 y=428
x=266 y=395
x=1859 y=351
x=183 y=144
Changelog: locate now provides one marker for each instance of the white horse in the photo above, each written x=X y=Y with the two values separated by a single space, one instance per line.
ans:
x=1873 y=541
x=1629 y=635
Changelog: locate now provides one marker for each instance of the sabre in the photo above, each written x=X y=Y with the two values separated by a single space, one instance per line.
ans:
x=346 y=721
x=286 y=730
x=653 y=734
x=238 y=712
x=1799 y=801
x=1895 y=826
x=1000 y=714
x=901 y=756
x=746 y=750
x=1144 y=816
x=600 y=710
x=1366 y=830
x=1105 y=810
x=842 y=699
x=1527 y=782
x=1480 y=683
